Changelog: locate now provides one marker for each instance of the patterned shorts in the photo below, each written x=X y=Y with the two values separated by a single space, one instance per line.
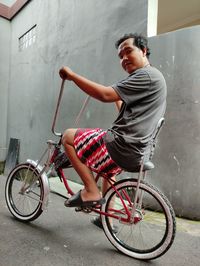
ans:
x=92 y=151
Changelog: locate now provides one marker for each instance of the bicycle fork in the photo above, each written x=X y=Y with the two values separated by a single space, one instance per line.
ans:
x=42 y=174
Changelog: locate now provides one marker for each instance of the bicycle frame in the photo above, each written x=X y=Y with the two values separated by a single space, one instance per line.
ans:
x=52 y=151
x=126 y=216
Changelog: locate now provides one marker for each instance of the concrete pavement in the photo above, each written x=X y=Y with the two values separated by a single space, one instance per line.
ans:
x=60 y=236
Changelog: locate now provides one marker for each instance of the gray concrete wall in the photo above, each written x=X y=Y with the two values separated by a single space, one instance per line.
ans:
x=80 y=34
x=5 y=31
x=177 y=157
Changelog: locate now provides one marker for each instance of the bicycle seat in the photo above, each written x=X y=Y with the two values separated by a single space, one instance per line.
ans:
x=148 y=166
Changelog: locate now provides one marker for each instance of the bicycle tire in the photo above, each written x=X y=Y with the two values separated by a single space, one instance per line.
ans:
x=24 y=192
x=154 y=229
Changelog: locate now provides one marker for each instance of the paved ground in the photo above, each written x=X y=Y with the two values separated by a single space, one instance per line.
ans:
x=61 y=237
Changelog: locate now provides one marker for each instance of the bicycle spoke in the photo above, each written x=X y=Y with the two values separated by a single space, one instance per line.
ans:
x=28 y=196
x=142 y=230
x=24 y=193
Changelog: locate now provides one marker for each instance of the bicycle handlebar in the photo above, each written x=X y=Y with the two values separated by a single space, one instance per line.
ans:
x=57 y=108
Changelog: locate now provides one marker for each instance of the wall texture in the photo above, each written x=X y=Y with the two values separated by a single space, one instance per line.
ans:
x=177 y=156
x=4 y=82
x=80 y=34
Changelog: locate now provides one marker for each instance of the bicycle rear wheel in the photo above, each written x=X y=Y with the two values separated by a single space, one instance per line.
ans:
x=151 y=232
x=24 y=193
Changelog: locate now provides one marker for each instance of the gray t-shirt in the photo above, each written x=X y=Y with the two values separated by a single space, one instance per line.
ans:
x=144 y=101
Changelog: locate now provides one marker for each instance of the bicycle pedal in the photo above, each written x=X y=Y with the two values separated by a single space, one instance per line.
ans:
x=83 y=209
x=87 y=209
x=78 y=209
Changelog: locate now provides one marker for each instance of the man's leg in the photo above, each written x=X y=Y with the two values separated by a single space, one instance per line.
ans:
x=91 y=191
x=106 y=185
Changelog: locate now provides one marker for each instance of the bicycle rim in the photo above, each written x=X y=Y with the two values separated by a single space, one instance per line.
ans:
x=24 y=193
x=153 y=230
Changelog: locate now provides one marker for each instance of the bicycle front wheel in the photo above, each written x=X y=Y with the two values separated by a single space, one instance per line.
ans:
x=24 y=193
x=151 y=231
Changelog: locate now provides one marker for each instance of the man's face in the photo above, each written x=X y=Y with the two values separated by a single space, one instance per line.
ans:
x=131 y=57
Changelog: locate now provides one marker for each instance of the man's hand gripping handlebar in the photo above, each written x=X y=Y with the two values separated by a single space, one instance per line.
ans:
x=65 y=73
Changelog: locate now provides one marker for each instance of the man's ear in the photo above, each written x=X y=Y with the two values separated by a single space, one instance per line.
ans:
x=144 y=50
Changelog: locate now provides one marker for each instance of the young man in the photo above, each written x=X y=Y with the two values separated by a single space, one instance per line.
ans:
x=141 y=99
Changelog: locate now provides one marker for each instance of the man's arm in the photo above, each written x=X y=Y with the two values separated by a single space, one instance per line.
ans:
x=96 y=90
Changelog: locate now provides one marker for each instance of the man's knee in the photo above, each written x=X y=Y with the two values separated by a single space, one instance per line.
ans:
x=68 y=137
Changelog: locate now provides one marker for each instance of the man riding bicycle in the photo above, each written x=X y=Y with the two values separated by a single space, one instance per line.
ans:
x=141 y=100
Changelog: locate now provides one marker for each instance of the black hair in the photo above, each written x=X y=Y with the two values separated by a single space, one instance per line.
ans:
x=139 y=40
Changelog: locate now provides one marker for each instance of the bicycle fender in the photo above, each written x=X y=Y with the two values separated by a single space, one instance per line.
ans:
x=45 y=182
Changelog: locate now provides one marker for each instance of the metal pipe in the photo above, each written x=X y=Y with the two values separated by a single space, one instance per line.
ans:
x=57 y=108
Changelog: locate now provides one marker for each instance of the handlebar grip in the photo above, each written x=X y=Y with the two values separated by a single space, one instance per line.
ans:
x=63 y=74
